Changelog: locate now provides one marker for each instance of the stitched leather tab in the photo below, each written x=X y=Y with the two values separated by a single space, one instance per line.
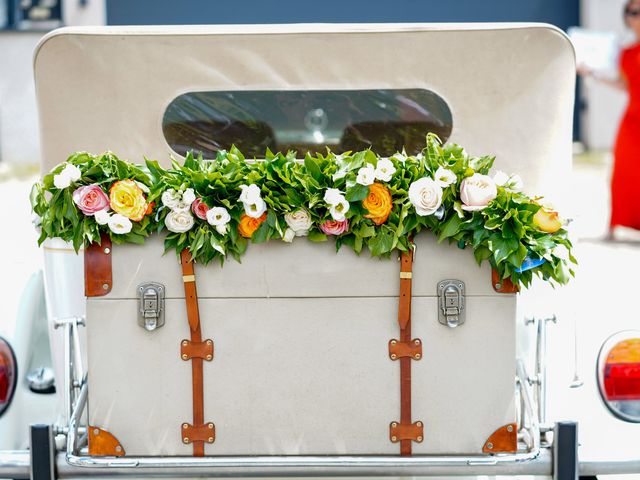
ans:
x=199 y=433
x=98 y=278
x=189 y=350
x=406 y=431
x=412 y=349
x=502 y=285
x=103 y=443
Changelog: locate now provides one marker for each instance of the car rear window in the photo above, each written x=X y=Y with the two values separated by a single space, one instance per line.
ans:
x=305 y=121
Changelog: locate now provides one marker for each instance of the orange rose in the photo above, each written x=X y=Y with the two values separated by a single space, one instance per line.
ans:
x=248 y=225
x=378 y=203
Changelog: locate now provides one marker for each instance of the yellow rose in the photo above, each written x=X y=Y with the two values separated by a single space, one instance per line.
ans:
x=378 y=203
x=127 y=199
x=547 y=220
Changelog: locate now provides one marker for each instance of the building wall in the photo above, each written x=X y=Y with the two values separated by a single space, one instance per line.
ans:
x=19 y=138
x=602 y=105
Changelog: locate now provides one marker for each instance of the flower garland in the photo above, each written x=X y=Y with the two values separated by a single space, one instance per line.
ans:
x=216 y=207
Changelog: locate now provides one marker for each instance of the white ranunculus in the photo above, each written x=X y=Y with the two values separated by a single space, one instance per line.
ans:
x=218 y=216
x=366 y=175
x=222 y=229
x=170 y=198
x=72 y=172
x=333 y=195
x=515 y=183
x=501 y=178
x=102 y=217
x=385 y=170
x=510 y=182
x=288 y=236
x=250 y=194
x=445 y=177
x=61 y=181
x=299 y=222
x=188 y=197
x=179 y=221
x=339 y=209
x=425 y=195
x=477 y=191
x=256 y=209
x=400 y=157
x=142 y=186
x=119 y=224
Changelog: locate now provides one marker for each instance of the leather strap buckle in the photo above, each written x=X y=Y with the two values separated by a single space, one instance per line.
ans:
x=412 y=349
x=406 y=431
x=198 y=433
x=189 y=350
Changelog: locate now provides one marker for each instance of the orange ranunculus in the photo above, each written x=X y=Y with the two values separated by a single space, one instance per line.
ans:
x=378 y=203
x=126 y=198
x=547 y=220
x=248 y=225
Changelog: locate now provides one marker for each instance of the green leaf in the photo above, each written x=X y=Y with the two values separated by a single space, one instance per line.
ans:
x=450 y=227
x=357 y=193
x=317 y=236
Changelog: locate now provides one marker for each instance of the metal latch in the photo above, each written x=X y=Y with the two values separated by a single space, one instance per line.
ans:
x=151 y=311
x=451 y=302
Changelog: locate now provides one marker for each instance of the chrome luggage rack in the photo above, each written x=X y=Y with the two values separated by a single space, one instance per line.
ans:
x=534 y=457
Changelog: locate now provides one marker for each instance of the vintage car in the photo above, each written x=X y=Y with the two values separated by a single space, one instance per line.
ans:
x=315 y=372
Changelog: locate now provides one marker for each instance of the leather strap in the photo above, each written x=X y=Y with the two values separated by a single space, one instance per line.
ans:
x=98 y=278
x=189 y=350
x=193 y=316
x=406 y=350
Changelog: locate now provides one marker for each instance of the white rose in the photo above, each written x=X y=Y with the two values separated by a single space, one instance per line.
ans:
x=119 y=224
x=218 y=216
x=299 y=222
x=425 y=195
x=256 y=209
x=445 y=177
x=179 y=221
x=339 y=209
x=288 y=236
x=385 y=170
x=61 y=181
x=170 y=198
x=102 y=217
x=333 y=195
x=477 y=191
x=366 y=175
x=72 y=172
x=250 y=194
x=222 y=229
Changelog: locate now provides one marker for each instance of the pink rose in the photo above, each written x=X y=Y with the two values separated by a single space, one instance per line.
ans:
x=199 y=209
x=334 y=227
x=90 y=199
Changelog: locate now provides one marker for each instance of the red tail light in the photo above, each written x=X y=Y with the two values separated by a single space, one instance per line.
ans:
x=619 y=375
x=8 y=375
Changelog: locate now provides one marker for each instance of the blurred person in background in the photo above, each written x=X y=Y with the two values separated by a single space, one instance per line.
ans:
x=625 y=180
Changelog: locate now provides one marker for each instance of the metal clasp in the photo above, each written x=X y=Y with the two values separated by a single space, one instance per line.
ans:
x=451 y=302
x=151 y=311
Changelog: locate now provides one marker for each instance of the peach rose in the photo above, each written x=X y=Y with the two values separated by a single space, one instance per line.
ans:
x=127 y=199
x=90 y=199
x=199 y=208
x=333 y=227
x=547 y=220
x=378 y=203
x=248 y=225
